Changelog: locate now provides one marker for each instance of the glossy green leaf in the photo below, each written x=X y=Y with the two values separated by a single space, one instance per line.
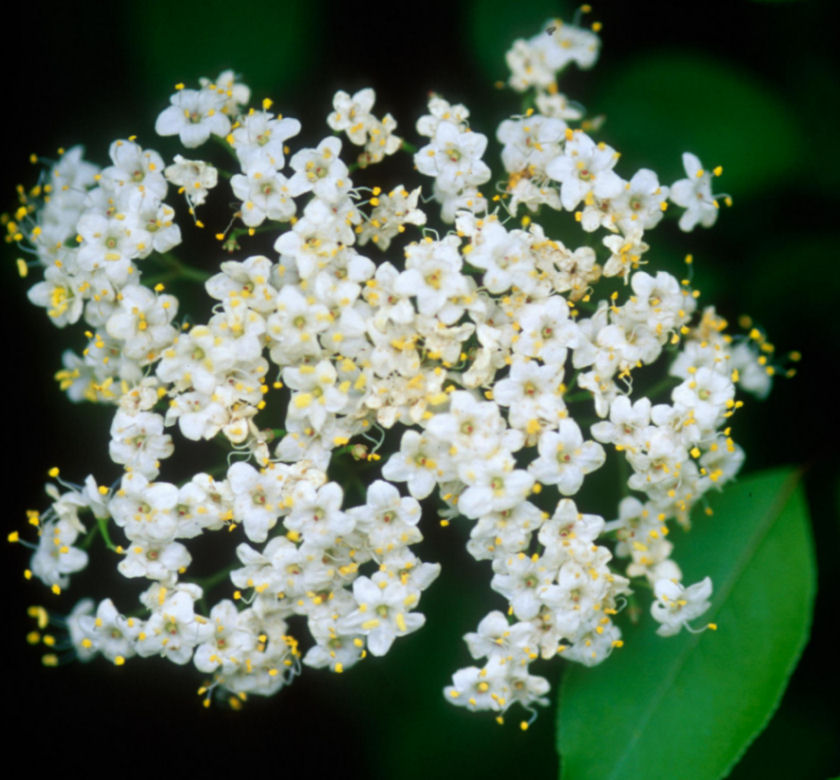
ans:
x=688 y=706
x=665 y=103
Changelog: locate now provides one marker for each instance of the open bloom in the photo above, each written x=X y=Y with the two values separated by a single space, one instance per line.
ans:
x=675 y=604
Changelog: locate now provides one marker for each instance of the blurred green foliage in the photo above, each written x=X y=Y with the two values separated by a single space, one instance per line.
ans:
x=275 y=44
x=663 y=103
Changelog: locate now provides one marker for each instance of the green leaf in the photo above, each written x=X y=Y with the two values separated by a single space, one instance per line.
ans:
x=665 y=103
x=688 y=706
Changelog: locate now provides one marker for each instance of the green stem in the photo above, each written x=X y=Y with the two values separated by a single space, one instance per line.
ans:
x=182 y=270
x=583 y=395
x=89 y=537
x=206 y=583
x=102 y=522
x=623 y=475
x=237 y=232
x=155 y=279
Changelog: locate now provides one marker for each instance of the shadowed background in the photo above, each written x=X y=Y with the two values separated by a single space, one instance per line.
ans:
x=749 y=85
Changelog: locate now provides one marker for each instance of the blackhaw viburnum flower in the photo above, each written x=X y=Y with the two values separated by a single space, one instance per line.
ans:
x=504 y=354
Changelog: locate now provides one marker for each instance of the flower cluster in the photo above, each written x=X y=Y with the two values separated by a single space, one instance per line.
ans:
x=483 y=348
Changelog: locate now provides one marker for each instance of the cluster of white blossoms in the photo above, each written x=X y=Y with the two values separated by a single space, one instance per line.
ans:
x=483 y=347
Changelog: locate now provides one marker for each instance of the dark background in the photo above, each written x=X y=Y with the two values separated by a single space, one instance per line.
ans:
x=750 y=85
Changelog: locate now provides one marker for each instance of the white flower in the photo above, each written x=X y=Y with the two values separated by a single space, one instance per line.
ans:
x=530 y=142
x=108 y=246
x=146 y=509
x=194 y=177
x=352 y=114
x=433 y=276
x=546 y=331
x=675 y=605
x=196 y=360
x=522 y=579
x=454 y=158
x=493 y=484
x=556 y=104
x=479 y=689
x=142 y=321
x=235 y=94
x=565 y=458
x=55 y=557
x=384 y=611
x=193 y=116
x=135 y=171
x=642 y=203
x=694 y=194
x=173 y=630
x=260 y=138
x=61 y=295
x=382 y=141
x=264 y=193
x=534 y=62
x=138 y=442
x=257 y=498
x=752 y=375
x=321 y=171
x=441 y=110
x=585 y=170
x=317 y=515
x=390 y=215
x=507 y=259
x=415 y=463
x=336 y=649
x=388 y=519
x=708 y=394
x=112 y=634
x=231 y=639
x=154 y=560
